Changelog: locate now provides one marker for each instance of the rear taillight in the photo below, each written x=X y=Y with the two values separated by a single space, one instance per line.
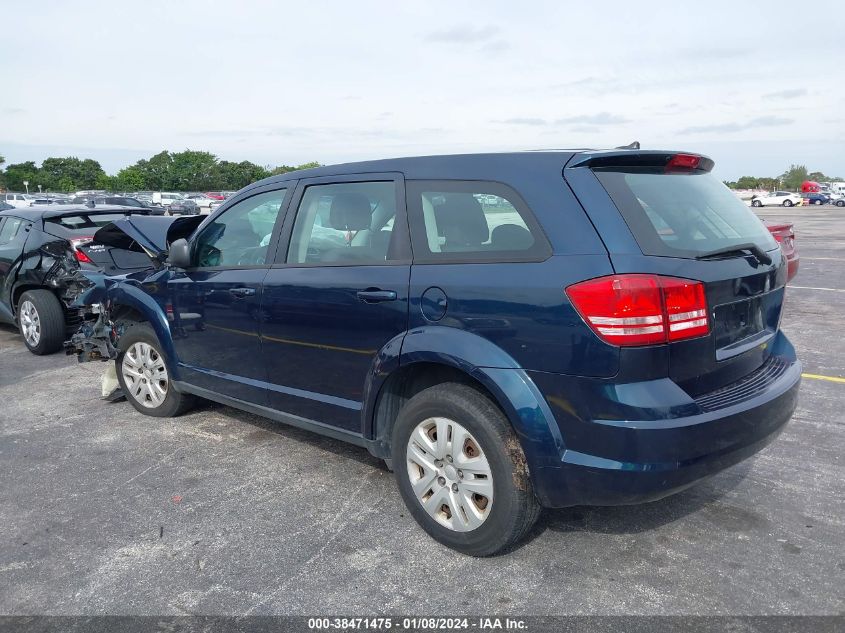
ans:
x=81 y=257
x=641 y=309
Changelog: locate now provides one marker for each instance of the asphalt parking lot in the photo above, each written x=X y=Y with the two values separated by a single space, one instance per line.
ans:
x=105 y=511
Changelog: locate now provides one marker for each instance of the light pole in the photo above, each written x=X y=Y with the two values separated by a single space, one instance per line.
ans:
x=26 y=184
x=39 y=188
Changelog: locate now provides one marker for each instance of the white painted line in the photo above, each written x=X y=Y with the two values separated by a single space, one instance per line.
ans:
x=814 y=288
x=827 y=259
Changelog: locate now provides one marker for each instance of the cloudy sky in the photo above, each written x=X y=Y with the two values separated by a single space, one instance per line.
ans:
x=292 y=82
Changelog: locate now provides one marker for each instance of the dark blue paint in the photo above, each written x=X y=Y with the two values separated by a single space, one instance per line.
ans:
x=318 y=335
x=598 y=424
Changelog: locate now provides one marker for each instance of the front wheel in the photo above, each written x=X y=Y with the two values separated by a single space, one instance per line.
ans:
x=756 y=203
x=787 y=203
x=461 y=470
x=840 y=203
x=142 y=374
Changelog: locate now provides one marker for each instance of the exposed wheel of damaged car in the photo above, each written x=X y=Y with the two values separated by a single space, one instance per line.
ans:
x=142 y=374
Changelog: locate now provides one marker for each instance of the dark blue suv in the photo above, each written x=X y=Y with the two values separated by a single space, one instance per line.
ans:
x=508 y=331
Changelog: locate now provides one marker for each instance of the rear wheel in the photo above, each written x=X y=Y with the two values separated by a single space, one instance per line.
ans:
x=756 y=203
x=461 y=470
x=817 y=201
x=787 y=203
x=840 y=203
x=42 y=321
x=142 y=374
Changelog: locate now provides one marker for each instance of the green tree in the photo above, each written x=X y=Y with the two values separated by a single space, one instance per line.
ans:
x=193 y=171
x=284 y=169
x=84 y=174
x=793 y=177
x=106 y=182
x=747 y=182
x=130 y=179
x=239 y=175
x=66 y=184
x=18 y=172
x=156 y=171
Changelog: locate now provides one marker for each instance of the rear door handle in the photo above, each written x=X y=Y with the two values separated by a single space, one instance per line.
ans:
x=240 y=293
x=374 y=295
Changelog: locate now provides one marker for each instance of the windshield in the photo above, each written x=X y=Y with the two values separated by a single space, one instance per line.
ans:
x=682 y=215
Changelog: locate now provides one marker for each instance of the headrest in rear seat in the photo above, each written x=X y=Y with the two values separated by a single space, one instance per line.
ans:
x=460 y=219
x=350 y=212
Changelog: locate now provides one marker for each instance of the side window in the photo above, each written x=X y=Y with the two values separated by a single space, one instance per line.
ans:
x=344 y=223
x=472 y=221
x=241 y=235
x=9 y=229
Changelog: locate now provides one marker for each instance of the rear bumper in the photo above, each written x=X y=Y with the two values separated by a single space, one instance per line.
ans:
x=633 y=461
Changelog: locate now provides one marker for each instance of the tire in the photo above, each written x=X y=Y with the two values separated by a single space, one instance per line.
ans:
x=496 y=520
x=143 y=376
x=840 y=203
x=787 y=203
x=756 y=203
x=41 y=321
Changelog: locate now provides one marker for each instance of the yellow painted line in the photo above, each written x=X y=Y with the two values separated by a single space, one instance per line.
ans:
x=331 y=348
x=828 y=378
x=815 y=288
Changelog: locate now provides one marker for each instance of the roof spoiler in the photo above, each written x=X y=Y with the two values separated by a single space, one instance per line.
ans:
x=633 y=157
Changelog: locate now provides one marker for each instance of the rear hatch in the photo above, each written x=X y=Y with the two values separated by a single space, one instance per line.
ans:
x=665 y=214
x=79 y=227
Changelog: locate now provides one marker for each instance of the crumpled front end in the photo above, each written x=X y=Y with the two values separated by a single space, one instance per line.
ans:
x=96 y=338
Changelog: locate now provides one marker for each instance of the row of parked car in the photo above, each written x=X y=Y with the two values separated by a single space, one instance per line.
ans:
x=790 y=199
x=508 y=332
x=191 y=203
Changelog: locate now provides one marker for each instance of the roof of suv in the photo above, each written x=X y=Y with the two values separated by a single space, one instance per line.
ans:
x=456 y=166
x=484 y=166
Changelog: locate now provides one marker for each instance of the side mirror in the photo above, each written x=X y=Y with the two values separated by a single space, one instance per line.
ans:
x=179 y=254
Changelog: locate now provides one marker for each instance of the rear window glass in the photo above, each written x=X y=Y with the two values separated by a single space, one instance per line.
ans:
x=682 y=215
x=455 y=220
x=84 y=221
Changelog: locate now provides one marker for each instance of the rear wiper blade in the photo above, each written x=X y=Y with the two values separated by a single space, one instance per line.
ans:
x=738 y=249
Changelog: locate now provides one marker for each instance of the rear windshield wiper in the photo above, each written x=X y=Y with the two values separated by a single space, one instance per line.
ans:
x=739 y=249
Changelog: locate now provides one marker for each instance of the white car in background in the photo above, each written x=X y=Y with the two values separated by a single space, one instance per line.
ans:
x=18 y=200
x=777 y=198
x=203 y=202
x=166 y=198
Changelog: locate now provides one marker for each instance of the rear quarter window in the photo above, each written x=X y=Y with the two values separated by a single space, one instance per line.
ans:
x=682 y=215
x=472 y=221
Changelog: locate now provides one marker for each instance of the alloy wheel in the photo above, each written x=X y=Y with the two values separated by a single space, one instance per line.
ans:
x=30 y=323
x=449 y=474
x=145 y=374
